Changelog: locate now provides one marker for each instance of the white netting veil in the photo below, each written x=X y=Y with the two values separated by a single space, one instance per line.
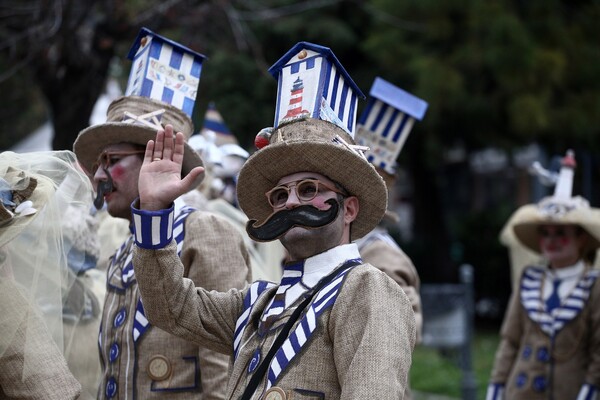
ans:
x=34 y=272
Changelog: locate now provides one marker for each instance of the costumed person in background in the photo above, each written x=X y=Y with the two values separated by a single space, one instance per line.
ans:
x=140 y=360
x=82 y=303
x=223 y=158
x=33 y=271
x=521 y=256
x=383 y=127
x=333 y=327
x=550 y=337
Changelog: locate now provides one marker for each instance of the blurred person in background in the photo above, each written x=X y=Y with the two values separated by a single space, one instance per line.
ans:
x=140 y=360
x=550 y=337
x=223 y=158
x=36 y=189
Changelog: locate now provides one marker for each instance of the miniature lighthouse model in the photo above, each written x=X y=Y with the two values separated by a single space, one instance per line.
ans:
x=313 y=84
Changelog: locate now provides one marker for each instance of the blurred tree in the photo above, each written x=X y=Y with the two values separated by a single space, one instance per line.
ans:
x=495 y=73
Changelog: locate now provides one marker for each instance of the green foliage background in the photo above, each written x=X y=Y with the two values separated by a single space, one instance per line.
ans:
x=496 y=74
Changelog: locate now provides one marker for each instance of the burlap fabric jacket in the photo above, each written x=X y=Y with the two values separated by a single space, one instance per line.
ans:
x=31 y=364
x=361 y=347
x=533 y=364
x=379 y=249
x=142 y=361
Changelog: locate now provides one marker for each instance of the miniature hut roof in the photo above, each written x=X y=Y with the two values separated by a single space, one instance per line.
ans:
x=325 y=52
x=398 y=98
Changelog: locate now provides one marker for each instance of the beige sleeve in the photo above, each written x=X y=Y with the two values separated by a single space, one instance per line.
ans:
x=511 y=333
x=396 y=264
x=174 y=304
x=373 y=333
x=592 y=375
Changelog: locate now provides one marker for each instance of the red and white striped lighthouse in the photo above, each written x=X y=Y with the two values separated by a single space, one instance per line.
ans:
x=295 y=106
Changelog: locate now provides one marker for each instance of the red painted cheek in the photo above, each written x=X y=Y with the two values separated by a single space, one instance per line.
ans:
x=319 y=202
x=117 y=172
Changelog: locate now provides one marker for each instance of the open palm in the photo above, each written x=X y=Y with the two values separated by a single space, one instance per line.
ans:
x=160 y=181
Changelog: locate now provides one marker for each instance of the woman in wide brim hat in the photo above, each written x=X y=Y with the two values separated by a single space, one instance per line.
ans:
x=550 y=330
x=37 y=188
x=312 y=145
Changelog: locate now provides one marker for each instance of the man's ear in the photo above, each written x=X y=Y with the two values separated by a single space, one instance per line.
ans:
x=351 y=208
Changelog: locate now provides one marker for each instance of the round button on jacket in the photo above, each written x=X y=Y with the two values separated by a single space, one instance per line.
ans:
x=159 y=368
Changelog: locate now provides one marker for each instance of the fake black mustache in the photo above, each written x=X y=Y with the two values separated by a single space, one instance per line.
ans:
x=103 y=187
x=278 y=223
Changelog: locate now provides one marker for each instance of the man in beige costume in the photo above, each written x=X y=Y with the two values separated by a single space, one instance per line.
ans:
x=355 y=331
x=383 y=127
x=140 y=360
x=32 y=272
x=550 y=346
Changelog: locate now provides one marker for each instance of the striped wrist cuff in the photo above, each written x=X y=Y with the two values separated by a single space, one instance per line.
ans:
x=588 y=392
x=495 y=391
x=152 y=229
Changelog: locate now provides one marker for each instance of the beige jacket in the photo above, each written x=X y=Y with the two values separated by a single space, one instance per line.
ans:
x=361 y=347
x=379 y=249
x=532 y=362
x=142 y=361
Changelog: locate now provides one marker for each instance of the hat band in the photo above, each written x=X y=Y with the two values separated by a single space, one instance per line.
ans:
x=151 y=119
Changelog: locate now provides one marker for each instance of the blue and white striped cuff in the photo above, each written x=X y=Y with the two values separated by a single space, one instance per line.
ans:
x=152 y=229
x=588 y=392
x=495 y=391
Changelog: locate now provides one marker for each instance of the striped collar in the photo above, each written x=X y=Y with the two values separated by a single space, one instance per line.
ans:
x=301 y=276
x=571 y=306
x=320 y=265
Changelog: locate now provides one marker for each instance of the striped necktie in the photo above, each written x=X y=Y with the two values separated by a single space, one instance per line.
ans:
x=553 y=301
x=292 y=274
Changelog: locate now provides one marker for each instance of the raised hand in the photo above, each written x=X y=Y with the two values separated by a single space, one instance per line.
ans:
x=160 y=181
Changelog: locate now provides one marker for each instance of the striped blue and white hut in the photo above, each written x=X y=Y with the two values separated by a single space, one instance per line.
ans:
x=164 y=70
x=386 y=123
x=313 y=83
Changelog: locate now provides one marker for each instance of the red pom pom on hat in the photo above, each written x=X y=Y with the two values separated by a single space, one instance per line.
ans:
x=263 y=138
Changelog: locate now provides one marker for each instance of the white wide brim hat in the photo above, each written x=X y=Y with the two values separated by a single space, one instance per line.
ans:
x=312 y=145
x=528 y=218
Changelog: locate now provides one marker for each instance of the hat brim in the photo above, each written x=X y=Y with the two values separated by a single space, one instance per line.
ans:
x=527 y=219
x=91 y=142
x=266 y=167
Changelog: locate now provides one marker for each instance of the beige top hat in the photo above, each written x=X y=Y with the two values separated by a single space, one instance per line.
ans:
x=560 y=208
x=314 y=132
x=162 y=88
x=317 y=146
x=134 y=119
